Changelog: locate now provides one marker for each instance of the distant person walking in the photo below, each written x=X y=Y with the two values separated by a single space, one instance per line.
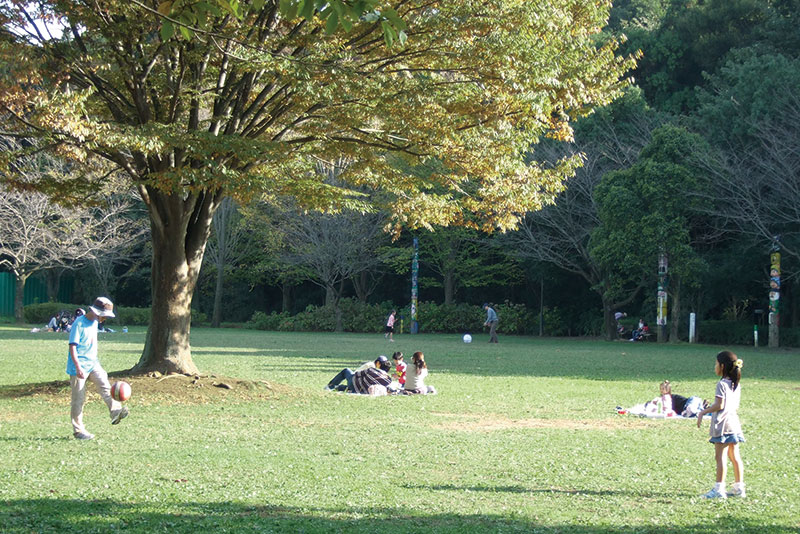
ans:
x=491 y=322
x=389 y=328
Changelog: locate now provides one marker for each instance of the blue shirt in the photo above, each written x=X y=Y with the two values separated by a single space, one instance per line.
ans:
x=83 y=335
x=491 y=315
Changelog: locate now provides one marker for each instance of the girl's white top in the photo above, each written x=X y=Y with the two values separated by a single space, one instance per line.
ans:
x=726 y=421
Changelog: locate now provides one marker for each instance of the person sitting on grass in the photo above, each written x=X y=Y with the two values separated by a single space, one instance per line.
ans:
x=415 y=378
x=370 y=374
x=400 y=368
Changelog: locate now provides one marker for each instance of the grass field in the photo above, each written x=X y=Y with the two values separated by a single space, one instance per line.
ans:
x=523 y=437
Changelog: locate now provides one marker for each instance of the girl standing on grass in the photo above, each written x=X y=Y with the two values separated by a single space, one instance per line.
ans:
x=726 y=431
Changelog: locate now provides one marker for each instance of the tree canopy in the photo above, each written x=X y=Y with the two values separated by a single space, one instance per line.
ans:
x=252 y=100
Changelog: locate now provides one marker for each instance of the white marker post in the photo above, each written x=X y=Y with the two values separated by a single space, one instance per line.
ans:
x=692 y=332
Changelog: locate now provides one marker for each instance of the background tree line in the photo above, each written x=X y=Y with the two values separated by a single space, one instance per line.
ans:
x=698 y=159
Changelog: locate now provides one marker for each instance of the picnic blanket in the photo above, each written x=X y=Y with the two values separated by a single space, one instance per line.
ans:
x=651 y=410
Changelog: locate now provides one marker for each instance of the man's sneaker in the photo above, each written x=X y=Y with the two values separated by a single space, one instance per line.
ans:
x=737 y=491
x=119 y=416
x=715 y=494
x=83 y=435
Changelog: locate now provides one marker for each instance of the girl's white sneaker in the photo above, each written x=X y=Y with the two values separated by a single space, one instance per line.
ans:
x=737 y=491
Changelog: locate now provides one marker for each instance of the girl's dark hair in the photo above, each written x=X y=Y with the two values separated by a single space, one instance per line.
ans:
x=731 y=366
x=397 y=355
x=418 y=359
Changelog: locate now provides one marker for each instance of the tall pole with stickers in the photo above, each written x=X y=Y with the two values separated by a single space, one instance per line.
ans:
x=774 y=295
x=414 y=288
x=661 y=310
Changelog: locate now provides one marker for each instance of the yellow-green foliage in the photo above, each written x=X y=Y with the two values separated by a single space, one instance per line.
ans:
x=249 y=103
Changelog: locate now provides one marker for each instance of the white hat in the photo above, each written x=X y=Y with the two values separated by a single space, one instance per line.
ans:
x=103 y=307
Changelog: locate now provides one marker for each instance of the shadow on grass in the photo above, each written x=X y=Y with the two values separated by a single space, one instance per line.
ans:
x=15 y=391
x=553 y=491
x=65 y=515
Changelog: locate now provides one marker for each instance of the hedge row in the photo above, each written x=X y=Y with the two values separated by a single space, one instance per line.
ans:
x=371 y=318
x=433 y=318
x=460 y=318
x=41 y=314
x=741 y=333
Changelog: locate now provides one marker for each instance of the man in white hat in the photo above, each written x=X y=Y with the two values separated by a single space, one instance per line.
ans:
x=84 y=364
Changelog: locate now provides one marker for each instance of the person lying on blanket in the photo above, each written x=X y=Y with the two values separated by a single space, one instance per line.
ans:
x=670 y=402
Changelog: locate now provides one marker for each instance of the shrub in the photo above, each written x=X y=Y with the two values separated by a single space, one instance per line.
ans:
x=41 y=313
x=554 y=323
x=516 y=319
x=590 y=323
x=790 y=336
x=726 y=332
x=132 y=316
x=741 y=333
x=262 y=321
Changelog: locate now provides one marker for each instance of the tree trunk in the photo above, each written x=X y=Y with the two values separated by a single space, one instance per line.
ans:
x=449 y=286
x=286 y=294
x=19 y=297
x=216 y=317
x=610 y=322
x=337 y=309
x=180 y=228
x=330 y=295
x=675 y=312
x=361 y=286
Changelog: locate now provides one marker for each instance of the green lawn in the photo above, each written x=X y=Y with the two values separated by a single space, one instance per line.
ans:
x=523 y=437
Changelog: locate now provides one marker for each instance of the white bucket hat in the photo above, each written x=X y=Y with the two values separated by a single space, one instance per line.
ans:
x=103 y=307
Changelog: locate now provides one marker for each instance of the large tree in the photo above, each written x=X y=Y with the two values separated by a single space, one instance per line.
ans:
x=333 y=248
x=751 y=114
x=245 y=101
x=648 y=209
x=222 y=249
x=558 y=235
x=461 y=258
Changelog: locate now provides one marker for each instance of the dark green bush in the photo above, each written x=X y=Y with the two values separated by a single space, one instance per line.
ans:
x=790 y=336
x=741 y=333
x=727 y=333
x=590 y=323
x=262 y=321
x=41 y=313
x=132 y=316
x=554 y=323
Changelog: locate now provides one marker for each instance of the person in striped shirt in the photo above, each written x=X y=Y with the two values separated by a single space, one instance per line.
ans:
x=370 y=374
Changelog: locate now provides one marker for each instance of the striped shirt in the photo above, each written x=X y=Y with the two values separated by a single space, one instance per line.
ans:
x=362 y=380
